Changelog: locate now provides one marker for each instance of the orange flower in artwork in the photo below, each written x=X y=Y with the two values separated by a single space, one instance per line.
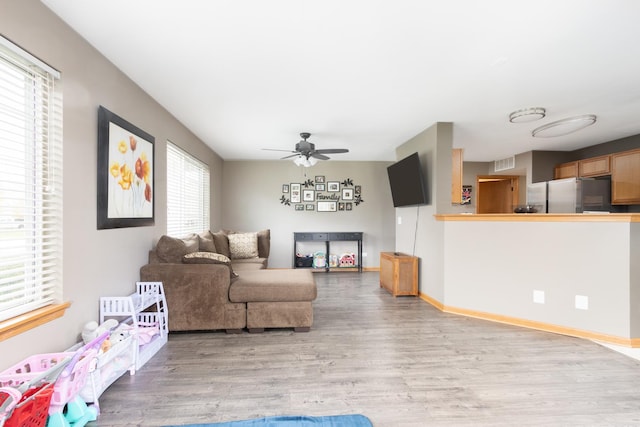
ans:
x=143 y=168
x=126 y=176
x=132 y=143
x=115 y=169
x=122 y=147
x=147 y=193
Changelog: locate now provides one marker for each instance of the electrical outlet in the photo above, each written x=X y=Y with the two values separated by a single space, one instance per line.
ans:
x=364 y=254
x=538 y=297
x=582 y=302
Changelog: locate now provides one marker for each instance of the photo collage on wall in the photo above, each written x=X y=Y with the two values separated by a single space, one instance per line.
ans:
x=322 y=195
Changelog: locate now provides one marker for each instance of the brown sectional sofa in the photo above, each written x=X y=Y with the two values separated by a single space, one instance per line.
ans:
x=219 y=281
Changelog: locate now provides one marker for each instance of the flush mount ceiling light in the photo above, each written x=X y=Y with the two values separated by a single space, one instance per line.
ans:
x=527 y=115
x=564 y=126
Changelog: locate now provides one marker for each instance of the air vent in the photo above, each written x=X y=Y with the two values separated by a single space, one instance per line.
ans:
x=504 y=164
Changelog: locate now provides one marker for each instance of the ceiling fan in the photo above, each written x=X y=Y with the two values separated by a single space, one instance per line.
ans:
x=307 y=149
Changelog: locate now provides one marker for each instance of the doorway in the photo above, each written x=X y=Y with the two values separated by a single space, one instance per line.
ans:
x=497 y=193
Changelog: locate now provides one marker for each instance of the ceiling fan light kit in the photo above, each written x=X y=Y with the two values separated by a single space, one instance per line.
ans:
x=564 y=126
x=305 y=161
x=527 y=115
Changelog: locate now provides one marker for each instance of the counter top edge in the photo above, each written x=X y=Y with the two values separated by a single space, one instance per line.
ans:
x=611 y=217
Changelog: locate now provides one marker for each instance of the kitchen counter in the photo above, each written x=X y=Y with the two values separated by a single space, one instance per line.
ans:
x=544 y=217
x=576 y=274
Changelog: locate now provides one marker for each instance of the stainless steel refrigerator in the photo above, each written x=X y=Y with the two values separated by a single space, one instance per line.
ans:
x=537 y=196
x=578 y=195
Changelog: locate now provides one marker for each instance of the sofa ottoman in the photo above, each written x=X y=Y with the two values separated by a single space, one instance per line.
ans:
x=276 y=298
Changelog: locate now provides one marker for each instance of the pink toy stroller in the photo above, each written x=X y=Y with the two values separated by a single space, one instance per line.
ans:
x=68 y=385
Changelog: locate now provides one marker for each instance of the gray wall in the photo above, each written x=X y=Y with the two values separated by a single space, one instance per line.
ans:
x=417 y=231
x=251 y=202
x=634 y=274
x=561 y=259
x=105 y=262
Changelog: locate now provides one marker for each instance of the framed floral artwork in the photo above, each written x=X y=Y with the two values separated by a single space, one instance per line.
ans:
x=125 y=173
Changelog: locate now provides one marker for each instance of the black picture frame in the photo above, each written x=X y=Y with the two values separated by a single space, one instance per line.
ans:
x=125 y=173
x=347 y=194
x=308 y=195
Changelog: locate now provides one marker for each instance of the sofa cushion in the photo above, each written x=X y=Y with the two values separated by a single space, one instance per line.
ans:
x=243 y=245
x=273 y=286
x=209 y=258
x=249 y=264
x=221 y=241
x=264 y=243
x=206 y=243
x=172 y=249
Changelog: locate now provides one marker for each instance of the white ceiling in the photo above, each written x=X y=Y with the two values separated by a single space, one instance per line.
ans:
x=367 y=75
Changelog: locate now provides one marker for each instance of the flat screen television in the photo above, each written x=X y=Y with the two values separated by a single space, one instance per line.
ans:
x=407 y=183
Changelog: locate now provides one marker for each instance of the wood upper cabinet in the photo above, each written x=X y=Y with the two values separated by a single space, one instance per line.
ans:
x=566 y=170
x=625 y=178
x=595 y=166
x=456 y=176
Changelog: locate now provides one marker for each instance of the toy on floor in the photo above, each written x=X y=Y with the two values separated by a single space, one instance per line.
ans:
x=347 y=260
x=68 y=385
x=26 y=389
x=319 y=260
x=92 y=330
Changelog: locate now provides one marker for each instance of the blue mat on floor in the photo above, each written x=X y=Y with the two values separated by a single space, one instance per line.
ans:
x=295 y=420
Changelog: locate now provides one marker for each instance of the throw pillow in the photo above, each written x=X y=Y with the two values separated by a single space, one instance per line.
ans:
x=206 y=243
x=172 y=249
x=209 y=258
x=243 y=245
x=221 y=241
x=264 y=242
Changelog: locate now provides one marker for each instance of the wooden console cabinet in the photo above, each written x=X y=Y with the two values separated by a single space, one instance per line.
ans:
x=399 y=273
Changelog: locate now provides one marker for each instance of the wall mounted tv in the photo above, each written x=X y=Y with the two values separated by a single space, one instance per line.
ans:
x=407 y=183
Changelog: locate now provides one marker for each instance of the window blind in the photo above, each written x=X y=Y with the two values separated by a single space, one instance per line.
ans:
x=187 y=193
x=30 y=183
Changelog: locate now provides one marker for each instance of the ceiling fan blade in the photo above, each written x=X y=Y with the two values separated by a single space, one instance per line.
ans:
x=333 y=151
x=277 y=149
x=288 y=157
x=319 y=156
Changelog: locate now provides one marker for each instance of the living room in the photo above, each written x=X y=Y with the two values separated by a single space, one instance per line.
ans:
x=245 y=195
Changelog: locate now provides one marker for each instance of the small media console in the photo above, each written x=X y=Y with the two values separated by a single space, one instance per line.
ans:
x=326 y=238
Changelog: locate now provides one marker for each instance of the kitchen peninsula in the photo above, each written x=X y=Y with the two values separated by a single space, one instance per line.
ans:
x=575 y=274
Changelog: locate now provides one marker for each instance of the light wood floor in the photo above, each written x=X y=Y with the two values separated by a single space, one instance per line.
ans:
x=398 y=361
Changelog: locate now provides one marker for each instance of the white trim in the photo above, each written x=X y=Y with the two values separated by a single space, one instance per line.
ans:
x=28 y=57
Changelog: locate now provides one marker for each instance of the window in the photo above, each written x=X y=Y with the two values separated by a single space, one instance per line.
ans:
x=187 y=193
x=30 y=183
